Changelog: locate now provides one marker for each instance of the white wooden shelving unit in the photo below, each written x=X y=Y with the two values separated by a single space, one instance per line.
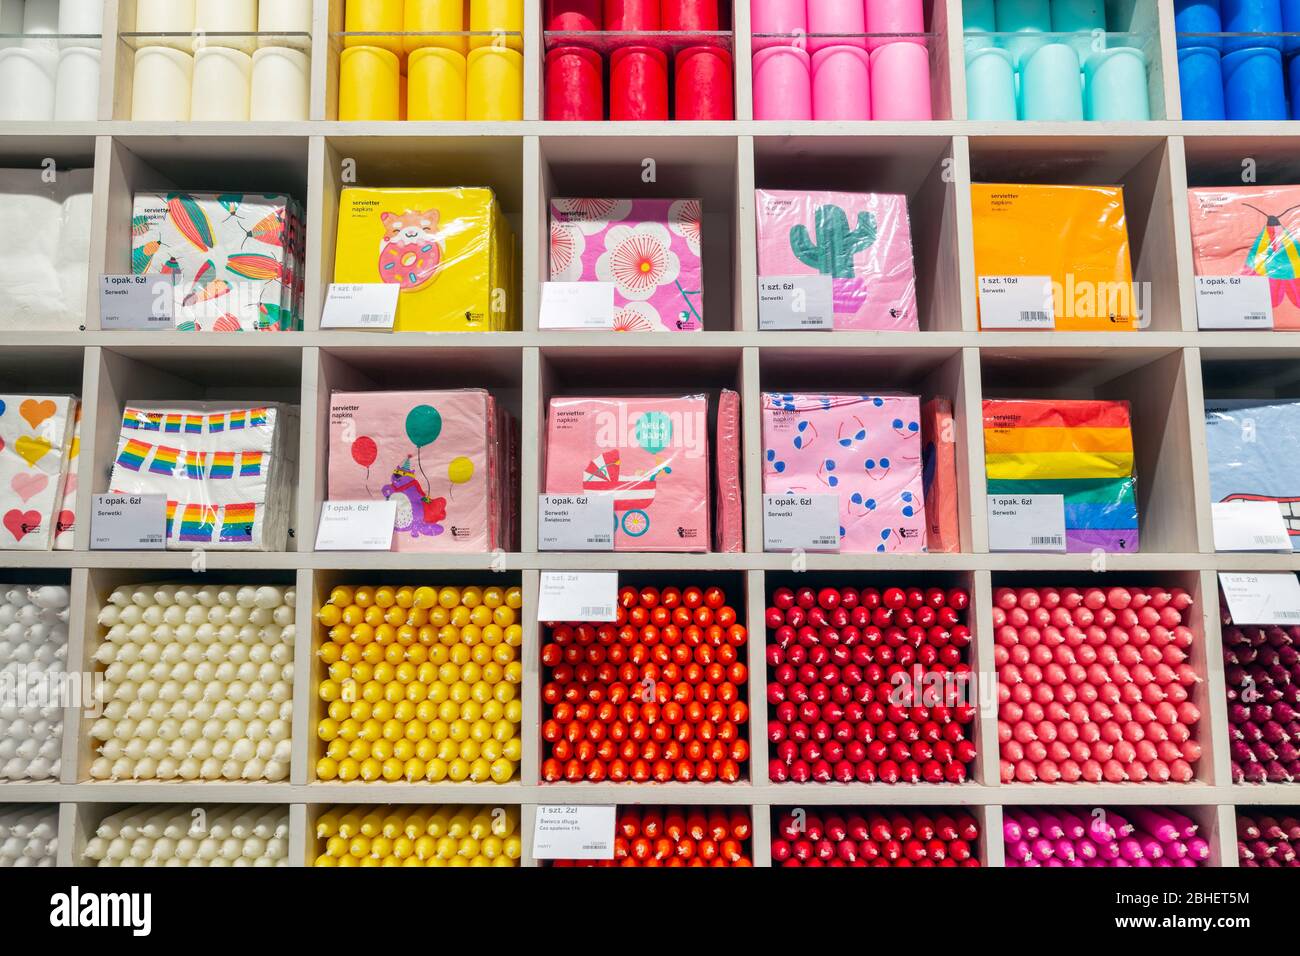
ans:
x=1165 y=370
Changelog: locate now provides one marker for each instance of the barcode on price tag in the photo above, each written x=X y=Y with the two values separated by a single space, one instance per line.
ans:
x=1262 y=598
x=1249 y=526
x=1016 y=302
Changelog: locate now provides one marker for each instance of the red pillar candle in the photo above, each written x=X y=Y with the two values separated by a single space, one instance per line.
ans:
x=690 y=15
x=703 y=75
x=626 y=16
x=638 y=84
x=573 y=15
x=573 y=84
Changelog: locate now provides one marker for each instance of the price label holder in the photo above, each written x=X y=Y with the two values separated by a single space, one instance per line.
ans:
x=574 y=833
x=121 y=522
x=1016 y=302
x=577 y=306
x=575 y=523
x=1027 y=523
x=356 y=526
x=137 y=303
x=578 y=596
x=1262 y=598
x=796 y=303
x=357 y=305
x=801 y=522
x=1234 y=302
x=1249 y=526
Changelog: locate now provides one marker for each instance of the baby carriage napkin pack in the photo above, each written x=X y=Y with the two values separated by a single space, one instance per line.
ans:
x=650 y=454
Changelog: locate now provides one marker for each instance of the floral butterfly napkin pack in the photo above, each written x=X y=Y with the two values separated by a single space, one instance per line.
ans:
x=36 y=435
x=227 y=470
x=236 y=258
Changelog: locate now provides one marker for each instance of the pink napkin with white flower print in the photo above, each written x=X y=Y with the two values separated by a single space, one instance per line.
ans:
x=649 y=249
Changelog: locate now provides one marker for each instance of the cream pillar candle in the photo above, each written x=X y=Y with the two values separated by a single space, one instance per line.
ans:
x=82 y=18
x=76 y=87
x=166 y=16
x=222 y=85
x=216 y=19
x=284 y=16
x=161 y=87
x=281 y=85
x=27 y=77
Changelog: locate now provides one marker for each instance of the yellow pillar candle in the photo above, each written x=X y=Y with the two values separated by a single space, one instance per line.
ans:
x=435 y=16
x=369 y=84
x=437 y=85
x=374 y=16
x=495 y=84
x=487 y=16
x=401 y=96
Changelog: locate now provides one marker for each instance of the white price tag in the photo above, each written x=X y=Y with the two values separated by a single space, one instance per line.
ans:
x=1026 y=522
x=121 y=522
x=575 y=523
x=356 y=526
x=1016 y=302
x=361 y=306
x=137 y=303
x=1262 y=598
x=574 y=833
x=1234 y=302
x=578 y=596
x=587 y=306
x=803 y=522
x=1249 y=526
x=799 y=303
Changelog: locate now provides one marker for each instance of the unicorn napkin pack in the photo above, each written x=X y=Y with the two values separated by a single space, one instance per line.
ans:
x=228 y=471
x=237 y=259
x=651 y=455
x=445 y=457
x=864 y=448
x=650 y=249
x=1251 y=231
x=450 y=252
x=37 y=444
x=861 y=241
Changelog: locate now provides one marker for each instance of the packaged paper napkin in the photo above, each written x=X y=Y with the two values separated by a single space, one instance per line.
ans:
x=1076 y=236
x=450 y=251
x=939 y=463
x=1079 y=449
x=236 y=259
x=441 y=455
x=649 y=248
x=35 y=445
x=1251 y=230
x=861 y=241
x=865 y=448
x=651 y=455
x=228 y=471
x=1254 y=451
x=44 y=248
x=729 y=517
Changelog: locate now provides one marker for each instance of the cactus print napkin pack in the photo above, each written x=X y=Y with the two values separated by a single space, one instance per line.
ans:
x=863 y=241
x=649 y=248
x=866 y=449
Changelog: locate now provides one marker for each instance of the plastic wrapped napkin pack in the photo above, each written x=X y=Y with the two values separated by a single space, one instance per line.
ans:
x=44 y=248
x=228 y=471
x=1254 y=451
x=37 y=443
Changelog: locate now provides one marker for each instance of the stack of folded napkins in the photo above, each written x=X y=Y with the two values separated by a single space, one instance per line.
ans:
x=44 y=248
x=228 y=471
x=38 y=450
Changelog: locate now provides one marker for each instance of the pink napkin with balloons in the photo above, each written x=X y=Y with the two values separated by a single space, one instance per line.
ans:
x=439 y=455
x=35 y=439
